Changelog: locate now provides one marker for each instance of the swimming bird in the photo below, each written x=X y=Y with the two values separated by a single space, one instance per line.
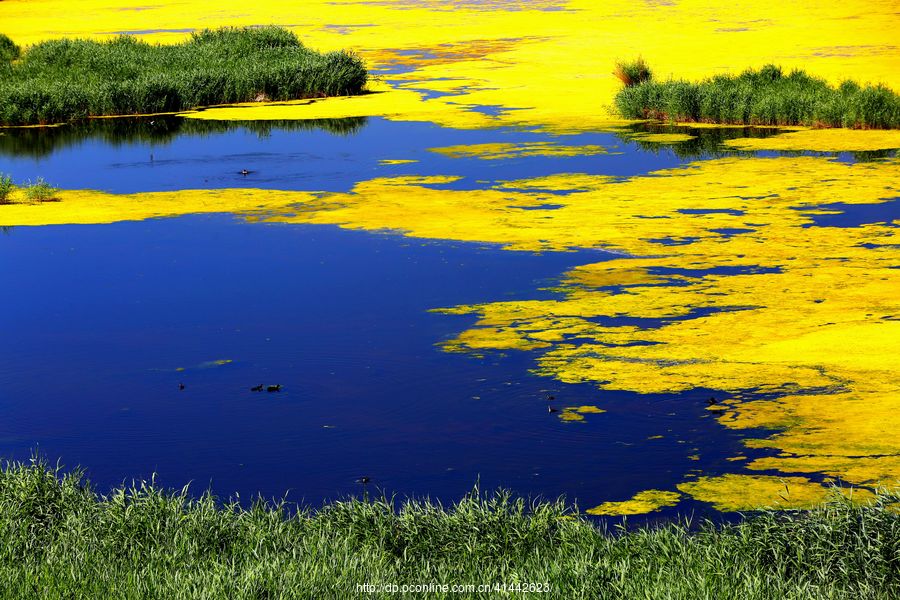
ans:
x=257 y=388
x=363 y=480
x=550 y=409
x=712 y=400
x=180 y=386
x=274 y=388
x=245 y=172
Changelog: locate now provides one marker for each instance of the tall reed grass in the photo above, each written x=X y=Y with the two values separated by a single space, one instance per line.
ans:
x=766 y=96
x=59 y=538
x=65 y=79
x=633 y=72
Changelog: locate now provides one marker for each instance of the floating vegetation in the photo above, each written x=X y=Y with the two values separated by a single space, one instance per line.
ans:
x=736 y=287
x=501 y=151
x=516 y=56
x=642 y=503
x=762 y=97
x=207 y=364
x=63 y=80
x=748 y=313
x=822 y=140
x=576 y=413
x=736 y=492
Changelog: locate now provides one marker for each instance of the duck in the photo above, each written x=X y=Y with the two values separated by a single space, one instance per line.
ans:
x=180 y=386
x=550 y=409
x=274 y=388
x=712 y=400
x=257 y=388
x=245 y=172
x=363 y=480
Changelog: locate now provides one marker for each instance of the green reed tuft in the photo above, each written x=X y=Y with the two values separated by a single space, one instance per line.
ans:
x=763 y=97
x=633 y=72
x=67 y=79
x=6 y=188
x=40 y=191
x=9 y=51
x=60 y=538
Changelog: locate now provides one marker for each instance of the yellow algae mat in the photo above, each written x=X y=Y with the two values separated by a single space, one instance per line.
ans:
x=797 y=326
x=552 y=59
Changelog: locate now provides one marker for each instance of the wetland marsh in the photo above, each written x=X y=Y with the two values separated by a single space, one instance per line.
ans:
x=713 y=310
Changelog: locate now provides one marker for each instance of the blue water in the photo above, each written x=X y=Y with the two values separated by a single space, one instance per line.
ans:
x=102 y=316
x=311 y=160
x=100 y=324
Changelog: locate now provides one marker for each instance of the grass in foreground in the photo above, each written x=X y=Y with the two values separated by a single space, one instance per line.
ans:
x=67 y=79
x=763 y=97
x=60 y=539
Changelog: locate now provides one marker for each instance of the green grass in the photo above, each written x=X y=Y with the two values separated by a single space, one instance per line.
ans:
x=9 y=51
x=40 y=191
x=633 y=72
x=762 y=97
x=60 y=539
x=66 y=79
x=6 y=188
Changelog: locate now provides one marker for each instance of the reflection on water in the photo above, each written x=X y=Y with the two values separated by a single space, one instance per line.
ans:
x=40 y=142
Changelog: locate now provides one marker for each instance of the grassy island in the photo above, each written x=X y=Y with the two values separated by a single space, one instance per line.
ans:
x=61 y=539
x=68 y=79
x=766 y=96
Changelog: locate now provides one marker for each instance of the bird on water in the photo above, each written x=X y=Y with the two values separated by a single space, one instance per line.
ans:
x=550 y=408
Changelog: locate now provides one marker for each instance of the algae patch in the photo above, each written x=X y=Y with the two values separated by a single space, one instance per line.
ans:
x=642 y=503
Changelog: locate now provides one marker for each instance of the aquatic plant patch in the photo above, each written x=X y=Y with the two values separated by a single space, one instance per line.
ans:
x=766 y=96
x=66 y=79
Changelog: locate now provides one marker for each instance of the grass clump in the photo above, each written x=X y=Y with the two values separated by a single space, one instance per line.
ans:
x=67 y=79
x=9 y=51
x=40 y=191
x=766 y=96
x=59 y=538
x=6 y=188
x=633 y=73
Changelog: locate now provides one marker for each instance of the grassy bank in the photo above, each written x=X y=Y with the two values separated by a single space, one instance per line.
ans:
x=758 y=97
x=62 y=80
x=60 y=539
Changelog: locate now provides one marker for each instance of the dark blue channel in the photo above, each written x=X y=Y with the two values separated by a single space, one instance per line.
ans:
x=96 y=320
